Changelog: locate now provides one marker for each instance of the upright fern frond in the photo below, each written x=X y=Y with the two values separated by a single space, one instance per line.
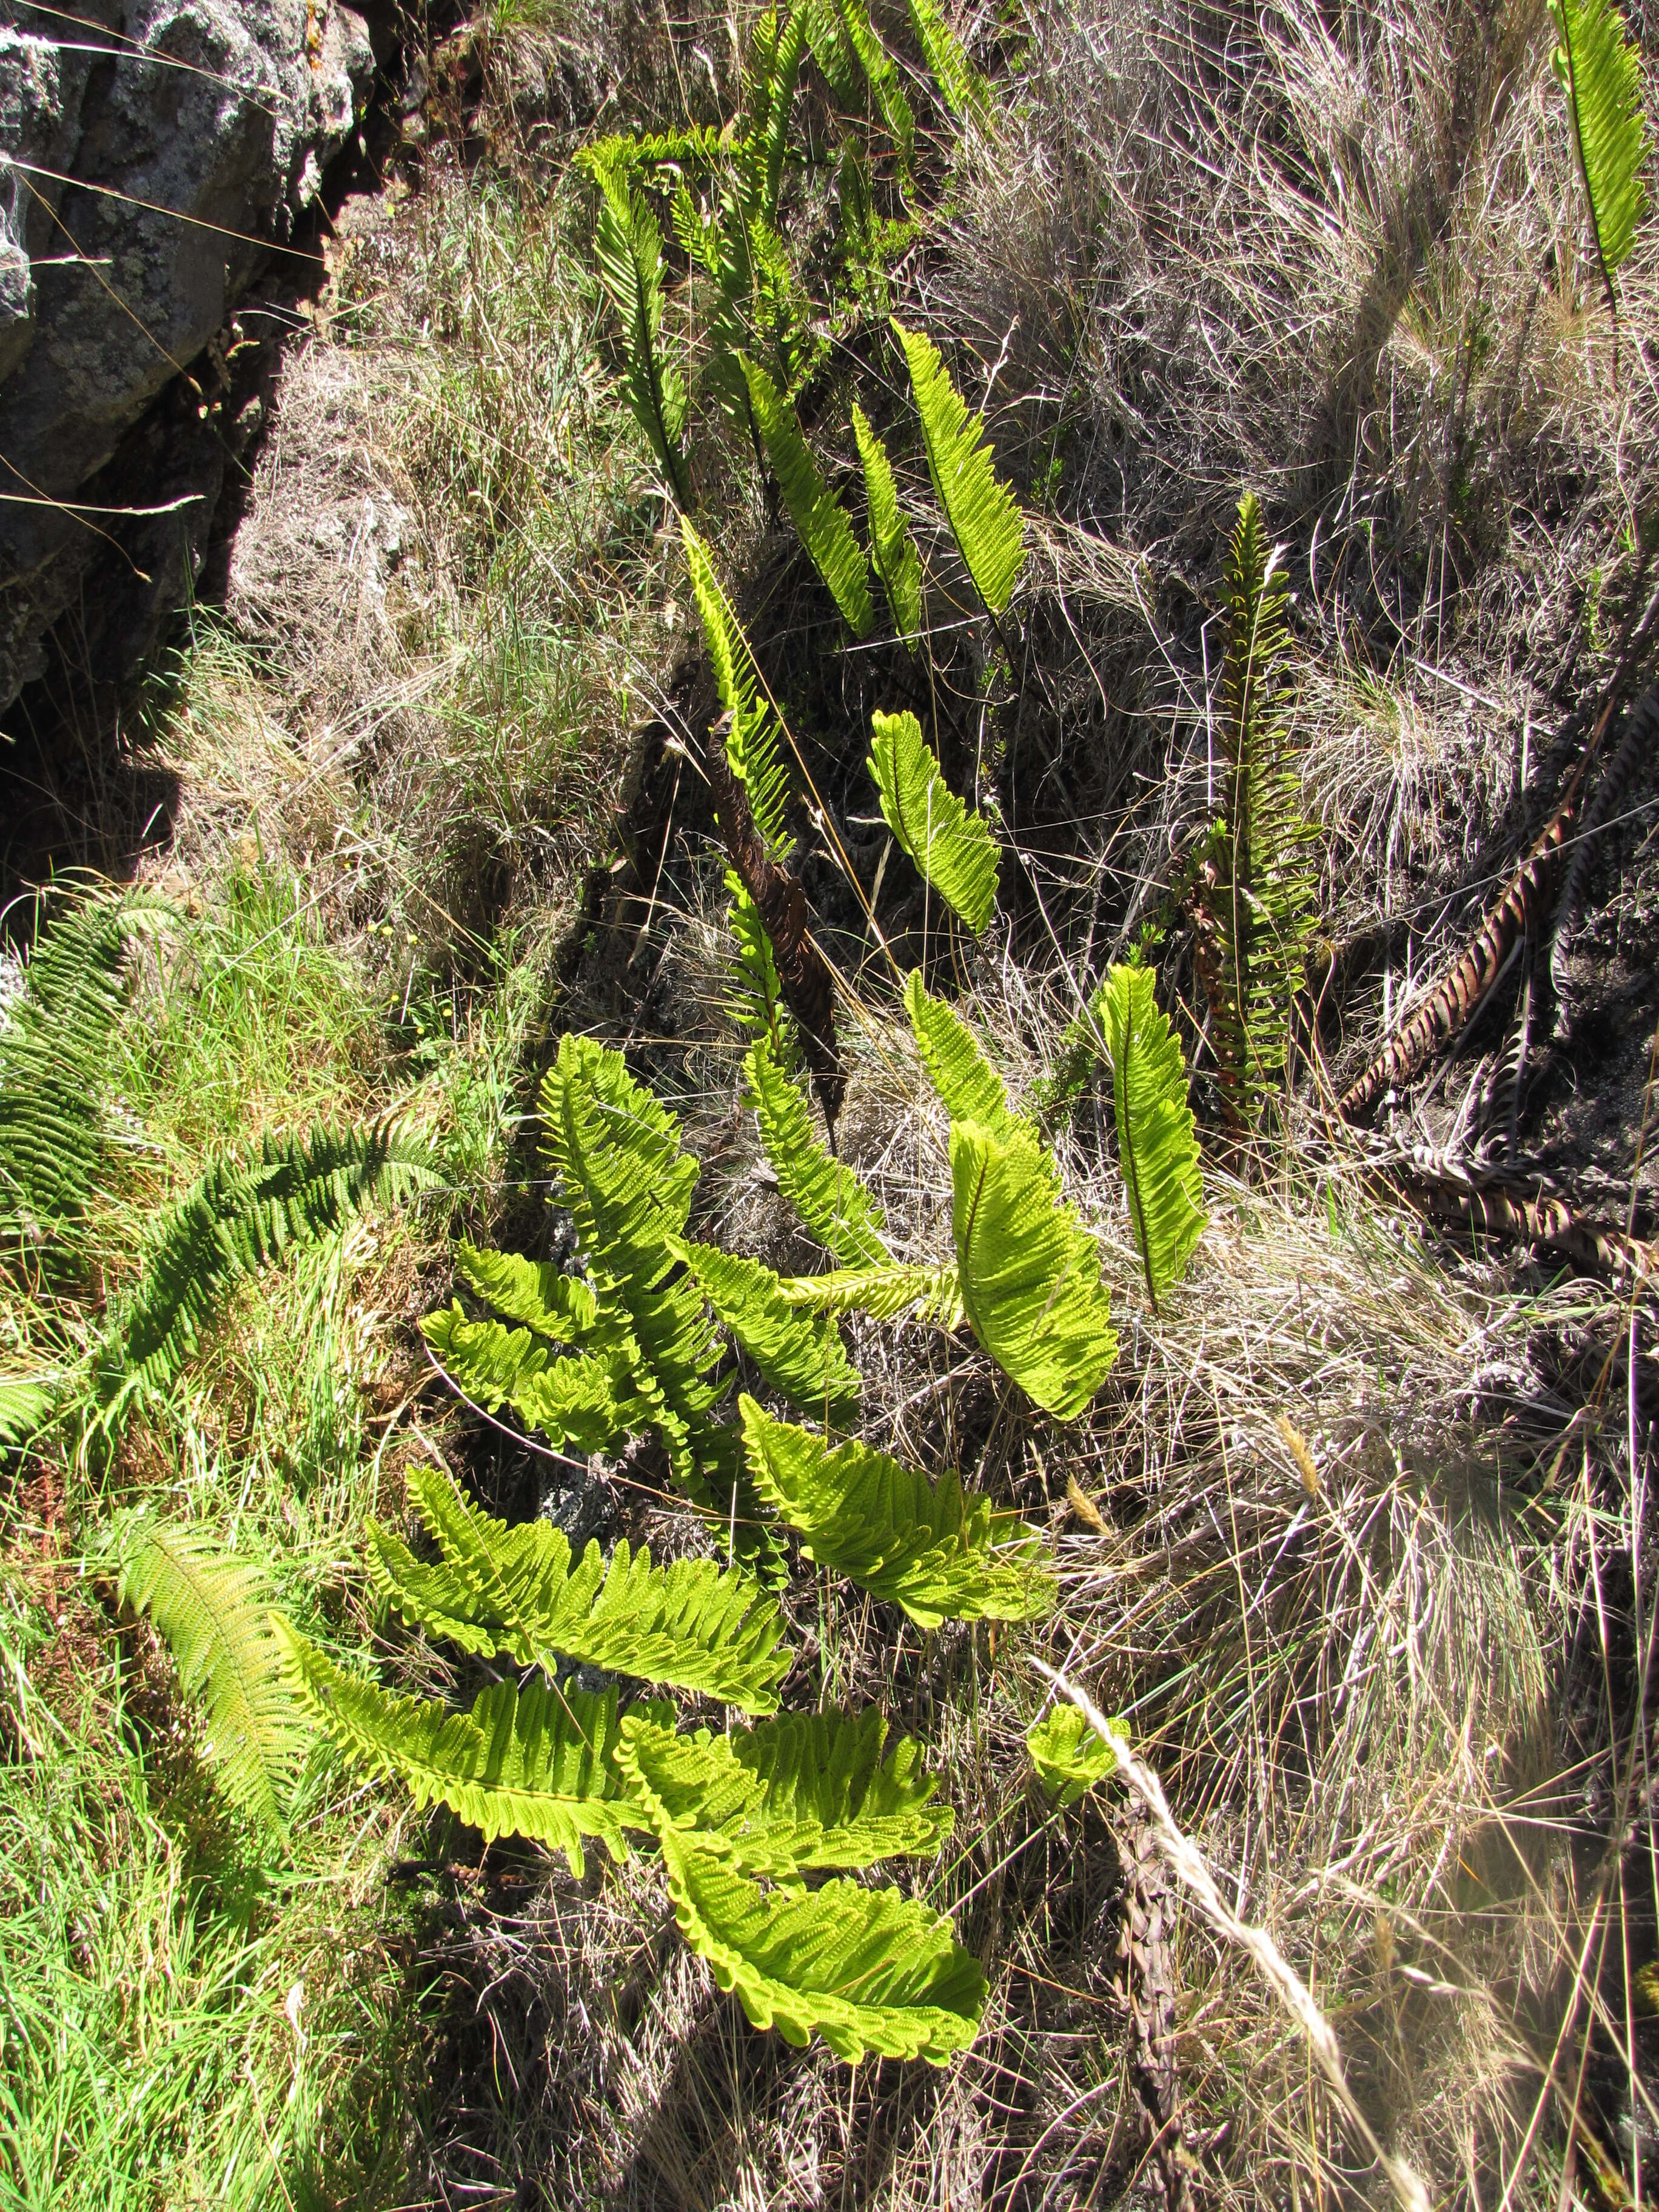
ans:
x=1256 y=900
x=753 y=743
x=777 y=53
x=755 y=996
x=241 y=1216
x=968 y=1084
x=816 y=511
x=941 y=1554
x=572 y=1401
x=1069 y=1756
x=537 y=1762
x=962 y=88
x=628 y=247
x=27 y=1403
x=214 y=1611
x=1031 y=1273
x=804 y=1792
x=954 y=849
x=800 y=1354
x=866 y=1968
x=690 y=1626
x=847 y=45
x=897 y=562
x=829 y=1199
x=983 y=514
x=1601 y=71
x=560 y=1307
x=1156 y=1136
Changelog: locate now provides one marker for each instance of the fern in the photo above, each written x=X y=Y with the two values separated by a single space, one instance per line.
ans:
x=818 y=515
x=829 y=1197
x=941 y=1554
x=884 y=1293
x=954 y=849
x=866 y=1968
x=689 y=1625
x=779 y=50
x=969 y=1085
x=1157 y=1138
x=897 y=562
x=628 y=247
x=962 y=88
x=753 y=744
x=241 y=1216
x=755 y=996
x=847 y=44
x=1256 y=903
x=572 y=1401
x=560 y=1307
x=1067 y=1754
x=26 y=1405
x=214 y=1612
x=537 y=1762
x=804 y=1792
x=983 y=514
x=1030 y=1272
x=799 y=1354
x=1601 y=71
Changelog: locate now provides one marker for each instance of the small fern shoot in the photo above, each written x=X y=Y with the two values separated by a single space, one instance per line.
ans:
x=940 y=1553
x=213 y=1610
x=628 y=247
x=836 y=1208
x=954 y=849
x=1156 y=1136
x=1069 y=1756
x=816 y=511
x=897 y=562
x=572 y=1401
x=560 y=1307
x=1601 y=71
x=983 y=514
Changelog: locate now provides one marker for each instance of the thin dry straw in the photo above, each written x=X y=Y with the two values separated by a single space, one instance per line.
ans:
x=1190 y=1864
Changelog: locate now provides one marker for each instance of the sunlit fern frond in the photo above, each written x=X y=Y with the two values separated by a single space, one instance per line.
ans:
x=984 y=516
x=894 y=549
x=800 y=1354
x=817 y=513
x=836 y=1208
x=954 y=849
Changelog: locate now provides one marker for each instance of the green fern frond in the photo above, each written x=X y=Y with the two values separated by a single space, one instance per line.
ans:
x=560 y=1307
x=866 y=1968
x=240 y=1217
x=1156 y=1136
x=800 y=1354
x=954 y=849
x=1600 y=71
x=1082 y=1049
x=753 y=745
x=754 y=999
x=897 y=562
x=537 y=1762
x=777 y=53
x=816 y=511
x=1031 y=1273
x=694 y=146
x=829 y=1197
x=690 y=1626
x=803 y=1793
x=628 y=247
x=1067 y=1754
x=890 y=1293
x=572 y=1401
x=969 y=1086
x=27 y=1404
x=984 y=516
x=214 y=1612
x=941 y=1554
x=962 y=88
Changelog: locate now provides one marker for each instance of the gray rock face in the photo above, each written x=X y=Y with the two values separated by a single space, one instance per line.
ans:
x=147 y=168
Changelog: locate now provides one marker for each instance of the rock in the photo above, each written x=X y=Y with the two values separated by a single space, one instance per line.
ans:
x=147 y=170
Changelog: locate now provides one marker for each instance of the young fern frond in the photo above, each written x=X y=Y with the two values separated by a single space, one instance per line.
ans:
x=628 y=247
x=891 y=1292
x=537 y=1762
x=754 y=741
x=800 y=1794
x=829 y=1197
x=816 y=511
x=560 y=1307
x=26 y=1405
x=897 y=562
x=213 y=1610
x=961 y=87
x=755 y=996
x=1601 y=71
x=866 y=1968
x=954 y=850
x=847 y=45
x=969 y=1086
x=1069 y=1756
x=241 y=1216
x=572 y=1401
x=690 y=1626
x=800 y=1354
x=1255 y=900
x=1156 y=1136
x=776 y=51
x=942 y=1554
x=1030 y=1271
x=984 y=516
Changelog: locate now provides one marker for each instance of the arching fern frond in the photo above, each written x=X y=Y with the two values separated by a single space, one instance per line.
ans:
x=890 y=1293
x=214 y=1612
x=816 y=511
x=753 y=744
x=829 y=1197
x=897 y=562
x=690 y=1626
x=572 y=1401
x=942 y=1554
x=804 y=1792
x=983 y=514
x=1031 y=1273
x=954 y=849
x=241 y=1216
x=1157 y=1137
x=628 y=247
x=560 y=1307
x=537 y=1762
x=969 y=1086
x=962 y=88
x=800 y=1354
x=1601 y=71
x=866 y=1968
